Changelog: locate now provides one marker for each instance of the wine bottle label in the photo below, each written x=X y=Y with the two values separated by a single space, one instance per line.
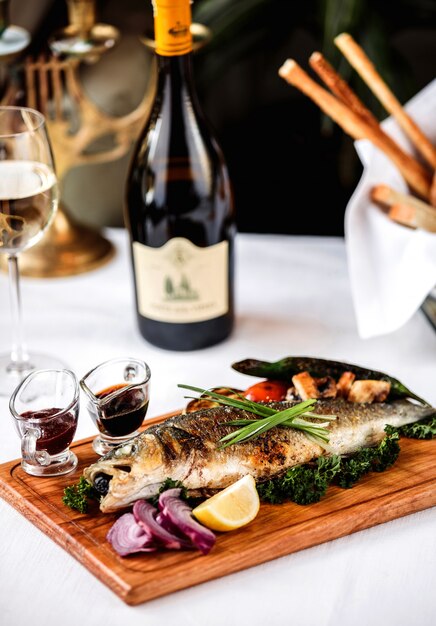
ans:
x=172 y=21
x=181 y=282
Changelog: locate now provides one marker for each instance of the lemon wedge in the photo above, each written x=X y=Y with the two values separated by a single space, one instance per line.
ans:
x=231 y=508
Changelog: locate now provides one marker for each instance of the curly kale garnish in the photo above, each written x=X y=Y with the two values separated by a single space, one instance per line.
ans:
x=354 y=467
x=308 y=483
x=77 y=496
x=425 y=429
x=376 y=459
x=387 y=451
x=304 y=484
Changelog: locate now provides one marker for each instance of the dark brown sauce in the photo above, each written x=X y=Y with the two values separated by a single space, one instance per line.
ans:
x=57 y=433
x=123 y=414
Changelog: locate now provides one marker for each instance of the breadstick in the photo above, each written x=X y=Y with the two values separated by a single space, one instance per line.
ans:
x=424 y=214
x=339 y=87
x=413 y=172
x=387 y=195
x=361 y=63
x=403 y=214
x=433 y=190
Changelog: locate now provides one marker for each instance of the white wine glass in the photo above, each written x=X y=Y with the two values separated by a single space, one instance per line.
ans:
x=28 y=200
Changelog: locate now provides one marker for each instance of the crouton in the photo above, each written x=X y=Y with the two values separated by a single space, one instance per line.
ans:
x=369 y=391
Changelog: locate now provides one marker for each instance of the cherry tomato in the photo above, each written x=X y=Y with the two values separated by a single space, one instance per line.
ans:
x=267 y=391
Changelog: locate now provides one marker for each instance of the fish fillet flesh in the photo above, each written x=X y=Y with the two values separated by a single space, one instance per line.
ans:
x=187 y=448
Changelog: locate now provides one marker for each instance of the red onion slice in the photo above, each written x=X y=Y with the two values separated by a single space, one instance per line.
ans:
x=127 y=537
x=178 y=513
x=165 y=523
x=145 y=515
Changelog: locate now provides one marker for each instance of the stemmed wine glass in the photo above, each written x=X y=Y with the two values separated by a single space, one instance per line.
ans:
x=28 y=201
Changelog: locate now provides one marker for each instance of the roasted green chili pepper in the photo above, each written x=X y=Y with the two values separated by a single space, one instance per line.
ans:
x=287 y=367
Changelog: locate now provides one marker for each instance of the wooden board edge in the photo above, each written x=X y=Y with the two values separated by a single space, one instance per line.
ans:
x=389 y=506
x=89 y=559
x=40 y=518
x=393 y=506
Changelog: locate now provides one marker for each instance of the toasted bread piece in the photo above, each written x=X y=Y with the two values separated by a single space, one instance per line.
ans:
x=343 y=385
x=305 y=385
x=369 y=391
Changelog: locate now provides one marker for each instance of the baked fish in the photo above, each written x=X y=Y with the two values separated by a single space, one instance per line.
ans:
x=187 y=448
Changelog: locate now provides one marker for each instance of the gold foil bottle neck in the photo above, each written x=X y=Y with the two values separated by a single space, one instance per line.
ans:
x=172 y=27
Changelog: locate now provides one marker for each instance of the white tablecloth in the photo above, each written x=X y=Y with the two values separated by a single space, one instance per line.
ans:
x=293 y=297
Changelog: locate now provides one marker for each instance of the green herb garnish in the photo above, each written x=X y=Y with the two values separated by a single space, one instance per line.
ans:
x=425 y=429
x=77 y=496
x=306 y=484
x=376 y=459
x=251 y=428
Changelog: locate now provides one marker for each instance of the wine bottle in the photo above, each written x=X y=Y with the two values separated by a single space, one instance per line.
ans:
x=179 y=204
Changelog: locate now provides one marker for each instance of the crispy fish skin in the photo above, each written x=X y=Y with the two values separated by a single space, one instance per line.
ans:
x=187 y=448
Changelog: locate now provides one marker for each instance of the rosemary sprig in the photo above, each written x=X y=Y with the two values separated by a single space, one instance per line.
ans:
x=251 y=428
x=246 y=433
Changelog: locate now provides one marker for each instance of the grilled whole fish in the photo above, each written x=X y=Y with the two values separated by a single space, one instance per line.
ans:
x=186 y=448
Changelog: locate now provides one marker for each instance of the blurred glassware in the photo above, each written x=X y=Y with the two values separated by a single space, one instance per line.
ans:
x=83 y=38
x=28 y=201
x=13 y=39
x=70 y=247
x=118 y=395
x=81 y=134
x=45 y=408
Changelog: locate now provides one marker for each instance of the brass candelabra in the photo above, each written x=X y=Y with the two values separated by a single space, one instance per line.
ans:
x=75 y=123
x=83 y=38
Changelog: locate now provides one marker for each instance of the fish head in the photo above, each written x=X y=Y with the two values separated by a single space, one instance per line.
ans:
x=131 y=471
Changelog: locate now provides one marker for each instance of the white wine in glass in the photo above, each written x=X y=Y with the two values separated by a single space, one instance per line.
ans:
x=28 y=200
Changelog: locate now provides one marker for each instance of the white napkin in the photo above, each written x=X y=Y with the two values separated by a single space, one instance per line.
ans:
x=392 y=268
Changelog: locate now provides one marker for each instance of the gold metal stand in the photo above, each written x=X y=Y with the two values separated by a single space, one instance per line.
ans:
x=83 y=38
x=68 y=248
x=53 y=87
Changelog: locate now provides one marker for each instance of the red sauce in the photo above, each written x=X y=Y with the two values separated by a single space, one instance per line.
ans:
x=123 y=414
x=57 y=433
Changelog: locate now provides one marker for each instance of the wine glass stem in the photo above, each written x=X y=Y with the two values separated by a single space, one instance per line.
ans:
x=19 y=355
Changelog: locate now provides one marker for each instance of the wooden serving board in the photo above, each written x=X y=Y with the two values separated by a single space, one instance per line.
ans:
x=278 y=530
